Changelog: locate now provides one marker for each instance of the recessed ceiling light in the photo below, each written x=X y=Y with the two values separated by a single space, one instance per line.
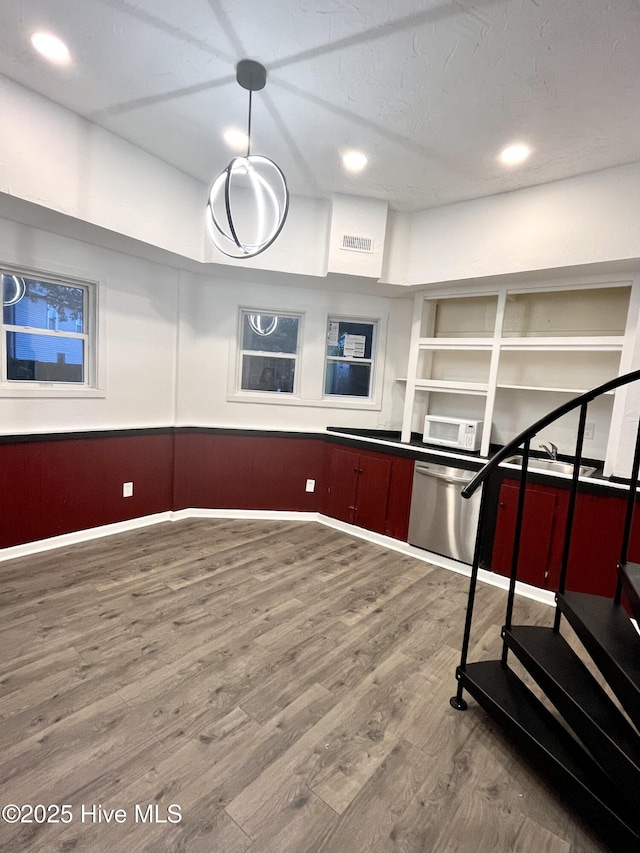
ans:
x=236 y=139
x=354 y=161
x=514 y=154
x=51 y=47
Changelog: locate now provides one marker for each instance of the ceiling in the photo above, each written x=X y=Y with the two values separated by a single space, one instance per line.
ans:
x=431 y=90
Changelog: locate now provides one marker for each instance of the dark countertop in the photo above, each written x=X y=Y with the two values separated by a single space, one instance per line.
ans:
x=415 y=448
x=389 y=441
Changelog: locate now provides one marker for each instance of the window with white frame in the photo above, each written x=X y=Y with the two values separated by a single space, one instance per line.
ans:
x=349 y=357
x=269 y=347
x=46 y=331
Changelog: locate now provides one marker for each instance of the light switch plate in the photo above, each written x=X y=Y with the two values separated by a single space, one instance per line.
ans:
x=127 y=490
x=311 y=486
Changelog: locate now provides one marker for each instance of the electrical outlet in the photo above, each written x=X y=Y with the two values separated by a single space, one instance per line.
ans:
x=589 y=430
x=127 y=490
x=311 y=486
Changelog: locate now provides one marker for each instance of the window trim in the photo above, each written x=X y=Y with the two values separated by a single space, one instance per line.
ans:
x=245 y=394
x=310 y=369
x=371 y=398
x=94 y=369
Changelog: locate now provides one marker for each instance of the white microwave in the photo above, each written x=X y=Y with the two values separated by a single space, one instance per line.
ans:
x=452 y=432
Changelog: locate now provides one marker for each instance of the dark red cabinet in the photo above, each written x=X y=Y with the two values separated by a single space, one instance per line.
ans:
x=595 y=544
x=538 y=527
x=63 y=484
x=370 y=490
x=595 y=540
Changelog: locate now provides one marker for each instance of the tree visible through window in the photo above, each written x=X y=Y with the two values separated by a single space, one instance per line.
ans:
x=45 y=335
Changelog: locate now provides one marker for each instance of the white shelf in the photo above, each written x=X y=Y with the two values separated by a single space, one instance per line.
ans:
x=484 y=344
x=451 y=387
x=609 y=344
x=485 y=338
x=545 y=388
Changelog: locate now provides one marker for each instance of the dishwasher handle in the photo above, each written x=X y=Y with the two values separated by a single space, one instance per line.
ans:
x=439 y=475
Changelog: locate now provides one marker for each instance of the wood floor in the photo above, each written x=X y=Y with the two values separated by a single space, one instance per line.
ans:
x=286 y=685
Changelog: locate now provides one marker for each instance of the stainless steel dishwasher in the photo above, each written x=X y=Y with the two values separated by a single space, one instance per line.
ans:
x=441 y=520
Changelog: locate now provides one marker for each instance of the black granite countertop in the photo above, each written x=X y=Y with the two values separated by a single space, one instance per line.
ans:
x=389 y=441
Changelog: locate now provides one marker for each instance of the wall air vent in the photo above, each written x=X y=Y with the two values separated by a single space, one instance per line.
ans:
x=357 y=244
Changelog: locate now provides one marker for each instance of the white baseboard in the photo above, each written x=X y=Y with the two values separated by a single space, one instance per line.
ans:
x=81 y=536
x=542 y=595
x=257 y=514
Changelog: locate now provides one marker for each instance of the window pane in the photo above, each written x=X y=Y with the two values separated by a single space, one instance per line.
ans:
x=269 y=333
x=347 y=378
x=42 y=304
x=261 y=373
x=348 y=338
x=44 y=358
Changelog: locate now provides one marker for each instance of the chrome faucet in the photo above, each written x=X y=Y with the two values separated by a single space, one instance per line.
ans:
x=550 y=449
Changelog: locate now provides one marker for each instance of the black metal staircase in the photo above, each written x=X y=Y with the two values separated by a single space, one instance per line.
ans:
x=589 y=748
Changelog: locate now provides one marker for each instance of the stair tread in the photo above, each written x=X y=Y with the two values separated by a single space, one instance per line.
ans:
x=502 y=694
x=584 y=703
x=608 y=635
x=610 y=626
x=630 y=574
x=496 y=686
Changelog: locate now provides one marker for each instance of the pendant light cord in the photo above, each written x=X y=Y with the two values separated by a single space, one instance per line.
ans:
x=249 y=126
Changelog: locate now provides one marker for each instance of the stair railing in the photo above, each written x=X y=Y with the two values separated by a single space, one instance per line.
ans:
x=522 y=444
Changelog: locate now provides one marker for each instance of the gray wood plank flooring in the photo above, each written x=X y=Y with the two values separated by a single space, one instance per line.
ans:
x=285 y=684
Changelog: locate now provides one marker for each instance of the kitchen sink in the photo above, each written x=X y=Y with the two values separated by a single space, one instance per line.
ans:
x=556 y=466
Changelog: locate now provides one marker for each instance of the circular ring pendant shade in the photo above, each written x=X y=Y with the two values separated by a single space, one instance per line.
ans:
x=263 y=325
x=13 y=289
x=247 y=207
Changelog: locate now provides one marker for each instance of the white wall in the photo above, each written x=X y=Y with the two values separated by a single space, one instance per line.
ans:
x=52 y=158
x=295 y=251
x=357 y=217
x=589 y=219
x=209 y=308
x=139 y=310
x=626 y=409
x=149 y=383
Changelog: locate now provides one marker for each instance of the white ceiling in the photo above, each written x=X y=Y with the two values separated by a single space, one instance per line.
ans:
x=431 y=90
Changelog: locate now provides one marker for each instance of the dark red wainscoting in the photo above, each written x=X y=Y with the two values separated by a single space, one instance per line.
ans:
x=52 y=487
x=248 y=472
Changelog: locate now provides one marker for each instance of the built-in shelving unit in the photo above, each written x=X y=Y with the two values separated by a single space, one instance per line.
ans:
x=475 y=355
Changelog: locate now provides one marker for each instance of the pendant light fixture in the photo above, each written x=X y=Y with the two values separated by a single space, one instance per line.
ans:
x=14 y=288
x=262 y=324
x=249 y=201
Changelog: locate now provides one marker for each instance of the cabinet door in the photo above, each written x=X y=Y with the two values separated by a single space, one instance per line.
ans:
x=343 y=484
x=373 y=492
x=399 y=503
x=595 y=544
x=537 y=532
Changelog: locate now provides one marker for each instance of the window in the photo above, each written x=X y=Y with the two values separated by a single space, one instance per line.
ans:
x=45 y=335
x=349 y=357
x=269 y=352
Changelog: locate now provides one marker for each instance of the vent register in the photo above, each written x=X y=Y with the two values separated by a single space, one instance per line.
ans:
x=357 y=244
